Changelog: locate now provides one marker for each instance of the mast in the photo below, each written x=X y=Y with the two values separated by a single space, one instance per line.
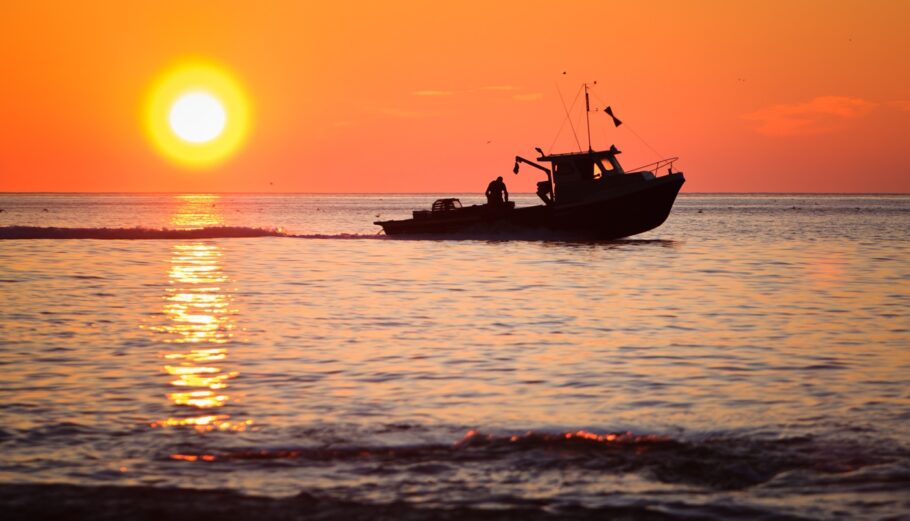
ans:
x=588 y=116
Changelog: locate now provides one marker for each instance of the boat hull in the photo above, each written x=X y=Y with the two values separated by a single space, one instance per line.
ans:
x=610 y=216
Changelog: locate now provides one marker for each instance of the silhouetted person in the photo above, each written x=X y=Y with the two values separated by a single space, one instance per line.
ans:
x=497 y=193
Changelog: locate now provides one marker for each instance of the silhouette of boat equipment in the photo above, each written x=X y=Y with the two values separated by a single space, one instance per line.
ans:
x=586 y=194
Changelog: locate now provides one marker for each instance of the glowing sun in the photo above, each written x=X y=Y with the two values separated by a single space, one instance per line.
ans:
x=197 y=114
x=197 y=117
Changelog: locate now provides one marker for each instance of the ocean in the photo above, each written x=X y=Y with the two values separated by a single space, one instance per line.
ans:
x=258 y=355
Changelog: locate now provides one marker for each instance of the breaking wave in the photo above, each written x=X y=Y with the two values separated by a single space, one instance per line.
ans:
x=215 y=232
x=140 y=233
x=479 y=475
x=722 y=463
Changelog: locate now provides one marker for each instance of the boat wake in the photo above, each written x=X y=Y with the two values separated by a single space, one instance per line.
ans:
x=335 y=236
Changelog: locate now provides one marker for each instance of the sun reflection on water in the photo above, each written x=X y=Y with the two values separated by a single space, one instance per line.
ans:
x=197 y=211
x=199 y=326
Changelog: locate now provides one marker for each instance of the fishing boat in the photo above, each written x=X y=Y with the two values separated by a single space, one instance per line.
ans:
x=586 y=194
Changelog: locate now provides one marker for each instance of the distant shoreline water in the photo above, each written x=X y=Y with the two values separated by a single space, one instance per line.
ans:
x=467 y=192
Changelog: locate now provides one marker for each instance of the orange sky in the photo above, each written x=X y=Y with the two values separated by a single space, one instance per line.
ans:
x=439 y=96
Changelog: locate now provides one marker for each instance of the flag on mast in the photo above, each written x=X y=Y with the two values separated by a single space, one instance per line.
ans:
x=616 y=121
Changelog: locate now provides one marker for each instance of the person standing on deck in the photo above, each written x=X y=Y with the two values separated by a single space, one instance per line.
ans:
x=497 y=193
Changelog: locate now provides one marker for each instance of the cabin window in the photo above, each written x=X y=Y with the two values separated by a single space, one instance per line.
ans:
x=601 y=169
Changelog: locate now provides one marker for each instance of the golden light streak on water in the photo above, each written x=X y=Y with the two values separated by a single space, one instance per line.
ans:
x=213 y=382
x=199 y=325
x=199 y=355
x=197 y=211
x=199 y=399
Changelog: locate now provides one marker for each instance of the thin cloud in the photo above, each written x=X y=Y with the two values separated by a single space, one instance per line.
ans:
x=433 y=93
x=398 y=112
x=533 y=96
x=903 y=105
x=816 y=116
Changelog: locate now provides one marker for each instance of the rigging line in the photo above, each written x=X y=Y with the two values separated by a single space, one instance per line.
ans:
x=571 y=108
x=568 y=117
x=658 y=154
x=563 y=124
x=626 y=123
x=558 y=133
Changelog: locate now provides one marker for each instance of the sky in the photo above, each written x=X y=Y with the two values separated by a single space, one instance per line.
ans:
x=419 y=96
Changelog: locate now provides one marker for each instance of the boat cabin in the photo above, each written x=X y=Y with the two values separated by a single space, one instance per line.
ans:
x=576 y=175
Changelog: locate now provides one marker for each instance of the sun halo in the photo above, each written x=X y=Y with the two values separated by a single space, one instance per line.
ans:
x=197 y=114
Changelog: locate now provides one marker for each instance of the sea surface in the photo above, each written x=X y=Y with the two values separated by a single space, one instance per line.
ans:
x=748 y=359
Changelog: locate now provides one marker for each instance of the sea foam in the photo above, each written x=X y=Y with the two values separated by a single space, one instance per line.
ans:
x=215 y=232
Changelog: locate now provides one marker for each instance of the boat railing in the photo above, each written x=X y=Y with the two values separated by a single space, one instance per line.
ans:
x=655 y=166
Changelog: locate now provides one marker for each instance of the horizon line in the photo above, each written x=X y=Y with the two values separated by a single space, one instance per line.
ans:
x=212 y=192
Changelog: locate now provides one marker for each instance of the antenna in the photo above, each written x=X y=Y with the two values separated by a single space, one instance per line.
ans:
x=588 y=116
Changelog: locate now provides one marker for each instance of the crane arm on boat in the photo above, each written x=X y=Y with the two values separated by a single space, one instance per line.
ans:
x=544 y=188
